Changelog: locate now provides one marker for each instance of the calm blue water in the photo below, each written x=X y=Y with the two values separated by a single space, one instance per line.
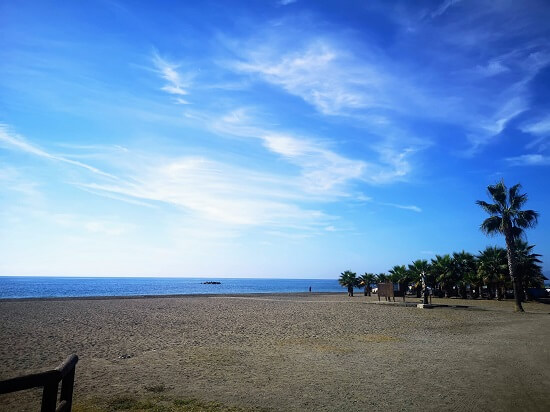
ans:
x=40 y=287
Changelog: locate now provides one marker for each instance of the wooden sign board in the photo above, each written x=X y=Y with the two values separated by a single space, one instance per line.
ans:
x=386 y=290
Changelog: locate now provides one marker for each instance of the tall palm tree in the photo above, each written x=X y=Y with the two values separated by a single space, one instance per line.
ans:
x=349 y=279
x=366 y=281
x=419 y=271
x=507 y=218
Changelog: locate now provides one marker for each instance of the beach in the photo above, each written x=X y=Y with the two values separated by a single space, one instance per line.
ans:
x=281 y=352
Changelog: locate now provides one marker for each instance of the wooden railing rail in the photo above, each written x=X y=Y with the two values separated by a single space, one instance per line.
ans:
x=64 y=373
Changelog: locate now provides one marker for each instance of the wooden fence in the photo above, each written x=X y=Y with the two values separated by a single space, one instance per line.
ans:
x=64 y=373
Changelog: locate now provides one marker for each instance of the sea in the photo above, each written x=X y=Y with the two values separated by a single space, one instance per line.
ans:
x=56 y=287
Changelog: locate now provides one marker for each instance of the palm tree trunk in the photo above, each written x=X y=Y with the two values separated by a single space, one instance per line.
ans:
x=516 y=281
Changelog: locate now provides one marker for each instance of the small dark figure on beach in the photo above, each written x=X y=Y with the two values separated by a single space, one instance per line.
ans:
x=310 y=288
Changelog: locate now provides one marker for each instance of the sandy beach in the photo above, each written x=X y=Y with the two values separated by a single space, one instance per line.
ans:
x=288 y=352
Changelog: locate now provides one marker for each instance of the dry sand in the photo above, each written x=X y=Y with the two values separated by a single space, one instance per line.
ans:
x=290 y=352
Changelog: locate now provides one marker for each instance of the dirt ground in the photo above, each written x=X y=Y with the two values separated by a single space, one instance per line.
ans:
x=293 y=352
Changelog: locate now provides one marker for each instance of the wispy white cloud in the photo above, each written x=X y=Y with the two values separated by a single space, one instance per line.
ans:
x=516 y=105
x=321 y=74
x=366 y=89
x=443 y=7
x=539 y=128
x=405 y=207
x=10 y=139
x=492 y=68
x=286 y=2
x=176 y=84
x=110 y=226
x=86 y=187
x=485 y=72
x=324 y=171
x=218 y=192
x=335 y=82
x=11 y=179
x=494 y=107
x=535 y=159
x=207 y=189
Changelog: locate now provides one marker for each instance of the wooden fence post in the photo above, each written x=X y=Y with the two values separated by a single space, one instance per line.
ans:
x=49 y=397
x=67 y=385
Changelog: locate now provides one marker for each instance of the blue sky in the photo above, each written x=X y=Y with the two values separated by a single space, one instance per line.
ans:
x=265 y=138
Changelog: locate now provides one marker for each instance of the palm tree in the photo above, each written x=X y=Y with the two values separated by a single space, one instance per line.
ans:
x=507 y=218
x=382 y=278
x=492 y=269
x=475 y=281
x=419 y=271
x=397 y=273
x=400 y=275
x=366 y=281
x=349 y=279
x=442 y=268
x=527 y=266
x=464 y=266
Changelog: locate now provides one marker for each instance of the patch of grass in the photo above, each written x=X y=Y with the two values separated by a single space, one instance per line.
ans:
x=123 y=403
x=86 y=407
x=157 y=404
x=156 y=388
x=196 y=405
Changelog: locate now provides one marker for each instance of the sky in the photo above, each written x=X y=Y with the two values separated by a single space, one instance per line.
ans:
x=276 y=138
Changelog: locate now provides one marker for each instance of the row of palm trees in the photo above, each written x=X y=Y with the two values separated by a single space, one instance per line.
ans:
x=459 y=274
x=495 y=268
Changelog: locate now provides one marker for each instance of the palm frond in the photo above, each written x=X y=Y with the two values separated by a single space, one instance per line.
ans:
x=498 y=193
x=492 y=225
x=526 y=218
x=490 y=208
x=517 y=232
x=513 y=193
x=517 y=201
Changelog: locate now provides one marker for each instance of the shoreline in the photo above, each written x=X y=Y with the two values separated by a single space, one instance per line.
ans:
x=182 y=295
x=447 y=303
